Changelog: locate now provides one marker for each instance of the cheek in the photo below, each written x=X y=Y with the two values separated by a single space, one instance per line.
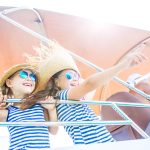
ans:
x=64 y=83
x=78 y=82
x=16 y=83
x=34 y=86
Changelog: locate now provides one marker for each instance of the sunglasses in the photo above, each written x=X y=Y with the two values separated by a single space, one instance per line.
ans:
x=24 y=75
x=71 y=76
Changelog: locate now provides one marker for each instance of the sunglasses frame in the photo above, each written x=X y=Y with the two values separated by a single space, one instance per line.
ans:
x=72 y=76
x=24 y=74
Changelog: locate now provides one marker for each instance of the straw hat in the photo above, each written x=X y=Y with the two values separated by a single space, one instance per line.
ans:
x=51 y=59
x=8 y=73
x=58 y=62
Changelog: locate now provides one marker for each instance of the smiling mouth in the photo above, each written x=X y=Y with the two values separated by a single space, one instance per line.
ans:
x=73 y=84
x=27 y=84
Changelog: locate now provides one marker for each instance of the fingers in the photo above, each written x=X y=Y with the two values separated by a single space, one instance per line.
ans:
x=3 y=99
x=48 y=98
x=12 y=96
x=1 y=96
x=3 y=105
x=132 y=59
x=139 y=48
x=141 y=57
x=137 y=54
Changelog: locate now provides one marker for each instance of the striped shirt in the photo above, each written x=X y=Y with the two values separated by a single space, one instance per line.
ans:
x=77 y=112
x=24 y=137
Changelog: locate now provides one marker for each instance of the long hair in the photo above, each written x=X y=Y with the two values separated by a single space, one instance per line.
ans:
x=51 y=90
x=7 y=90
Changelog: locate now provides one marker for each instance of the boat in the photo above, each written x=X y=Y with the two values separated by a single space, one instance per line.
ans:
x=94 y=47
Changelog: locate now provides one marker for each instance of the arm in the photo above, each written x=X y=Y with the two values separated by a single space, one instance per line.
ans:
x=90 y=95
x=101 y=78
x=3 y=115
x=51 y=115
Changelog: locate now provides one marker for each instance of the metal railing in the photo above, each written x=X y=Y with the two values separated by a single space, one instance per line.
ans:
x=114 y=105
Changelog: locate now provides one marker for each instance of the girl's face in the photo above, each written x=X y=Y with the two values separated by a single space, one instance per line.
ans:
x=67 y=79
x=22 y=83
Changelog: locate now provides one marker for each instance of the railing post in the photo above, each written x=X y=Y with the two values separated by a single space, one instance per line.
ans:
x=133 y=124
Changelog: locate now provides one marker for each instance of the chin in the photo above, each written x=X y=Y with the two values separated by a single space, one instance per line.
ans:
x=28 y=91
x=73 y=85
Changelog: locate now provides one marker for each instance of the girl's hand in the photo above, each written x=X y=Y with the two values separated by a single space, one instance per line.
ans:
x=132 y=59
x=51 y=103
x=3 y=99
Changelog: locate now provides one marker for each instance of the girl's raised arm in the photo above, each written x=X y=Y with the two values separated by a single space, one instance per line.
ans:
x=130 y=60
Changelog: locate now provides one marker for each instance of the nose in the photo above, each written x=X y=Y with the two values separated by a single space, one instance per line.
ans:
x=74 y=79
x=28 y=78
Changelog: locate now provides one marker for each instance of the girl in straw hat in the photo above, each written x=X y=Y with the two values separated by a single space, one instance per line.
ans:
x=19 y=82
x=61 y=77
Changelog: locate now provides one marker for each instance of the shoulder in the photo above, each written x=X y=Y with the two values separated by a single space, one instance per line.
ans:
x=63 y=94
x=36 y=107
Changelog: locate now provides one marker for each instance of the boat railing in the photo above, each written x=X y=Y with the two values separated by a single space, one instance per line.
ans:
x=115 y=105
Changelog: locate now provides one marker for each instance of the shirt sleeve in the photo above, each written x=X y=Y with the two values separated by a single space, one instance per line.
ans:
x=63 y=95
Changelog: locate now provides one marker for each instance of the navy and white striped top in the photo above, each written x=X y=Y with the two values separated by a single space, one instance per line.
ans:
x=81 y=134
x=23 y=137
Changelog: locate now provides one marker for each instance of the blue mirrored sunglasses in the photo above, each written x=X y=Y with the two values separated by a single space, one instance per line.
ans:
x=24 y=75
x=71 y=76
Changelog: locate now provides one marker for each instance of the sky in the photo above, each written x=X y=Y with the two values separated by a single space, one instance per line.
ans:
x=131 y=13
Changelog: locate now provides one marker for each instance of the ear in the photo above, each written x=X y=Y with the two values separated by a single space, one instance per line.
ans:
x=9 y=82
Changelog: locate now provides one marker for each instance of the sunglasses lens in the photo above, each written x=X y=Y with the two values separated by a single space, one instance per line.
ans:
x=33 y=77
x=23 y=74
x=69 y=76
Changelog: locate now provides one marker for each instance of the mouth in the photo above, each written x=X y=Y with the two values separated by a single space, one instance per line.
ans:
x=73 y=84
x=27 y=84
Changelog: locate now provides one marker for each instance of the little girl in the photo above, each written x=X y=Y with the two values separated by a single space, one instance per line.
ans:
x=19 y=82
x=62 y=81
